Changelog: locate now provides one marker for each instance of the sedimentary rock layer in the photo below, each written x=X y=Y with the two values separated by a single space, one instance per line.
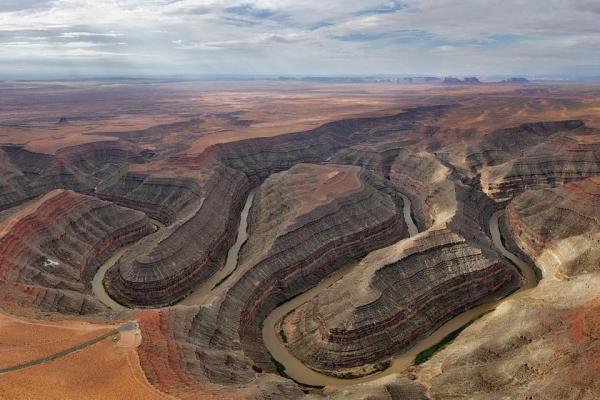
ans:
x=560 y=227
x=50 y=248
x=162 y=271
x=162 y=198
x=427 y=183
x=568 y=152
x=385 y=305
x=26 y=175
x=544 y=344
x=167 y=266
x=338 y=215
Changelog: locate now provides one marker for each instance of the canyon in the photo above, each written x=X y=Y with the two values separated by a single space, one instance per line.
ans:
x=266 y=252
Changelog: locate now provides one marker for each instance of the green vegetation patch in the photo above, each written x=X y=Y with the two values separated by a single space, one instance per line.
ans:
x=446 y=340
x=283 y=335
x=280 y=368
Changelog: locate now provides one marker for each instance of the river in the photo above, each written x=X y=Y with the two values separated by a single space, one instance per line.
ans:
x=202 y=292
x=296 y=370
x=98 y=288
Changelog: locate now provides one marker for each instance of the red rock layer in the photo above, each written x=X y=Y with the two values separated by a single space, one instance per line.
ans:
x=533 y=350
x=51 y=249
x=365 y=319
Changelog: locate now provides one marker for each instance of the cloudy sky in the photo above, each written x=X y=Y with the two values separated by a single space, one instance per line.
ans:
x=80 y=38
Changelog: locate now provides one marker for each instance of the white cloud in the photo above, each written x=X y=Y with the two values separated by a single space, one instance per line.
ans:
x=307 y=36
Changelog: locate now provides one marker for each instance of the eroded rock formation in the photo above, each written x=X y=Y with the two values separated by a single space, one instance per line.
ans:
x=324 y=199
x=559 y=228
x=544 y=344
x=50 y=249
x=538 y=155
x=380 y=308
x=301 y=230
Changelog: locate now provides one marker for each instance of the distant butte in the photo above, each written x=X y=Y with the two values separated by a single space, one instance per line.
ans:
x=300 y=239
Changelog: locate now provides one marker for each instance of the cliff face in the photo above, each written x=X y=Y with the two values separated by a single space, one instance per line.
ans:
x=543 y=155
x=300 y=231
x=543 y=342
x=166 y=267
x=386 y=305
x=427 y=183
x=559 y=228
x=50 y=249
x=403 y=292
x=164 y=199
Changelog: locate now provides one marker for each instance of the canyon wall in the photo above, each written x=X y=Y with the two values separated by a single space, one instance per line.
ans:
x=51 y=248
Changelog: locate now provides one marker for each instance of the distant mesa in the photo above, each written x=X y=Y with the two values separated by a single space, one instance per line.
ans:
x=456 y=81
x=420 y=79
x=515 y=80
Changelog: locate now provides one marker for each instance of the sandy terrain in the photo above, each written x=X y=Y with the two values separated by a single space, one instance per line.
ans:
x=191 y=116
x=105 y=370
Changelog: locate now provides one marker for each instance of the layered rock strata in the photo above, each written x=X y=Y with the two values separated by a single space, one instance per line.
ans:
x=50 y=248
x=162 y=198
x=163 y=271
x=426 y=181
x=567 y=152
x=560 y=227
x=26 y=175
x=386 y=304
x=166 y=267
x=304 y=223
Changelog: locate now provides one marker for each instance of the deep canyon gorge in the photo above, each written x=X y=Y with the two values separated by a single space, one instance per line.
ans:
x=326 y=258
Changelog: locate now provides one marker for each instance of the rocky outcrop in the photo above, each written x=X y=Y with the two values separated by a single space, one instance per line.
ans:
x=426 y=181
x=162 y=198
x=166 y=267
x=391 y=300
x=541 y=345
x=537 y=155
x=304 y=224
x=26 y=175
x=50 y=248
x=82 y=168
x=559 y=228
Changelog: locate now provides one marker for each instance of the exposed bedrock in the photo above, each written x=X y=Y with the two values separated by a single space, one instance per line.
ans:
x=259 y=158
x=304 y=224
x=544 y=344
x=341 y=216
x=559 y=228
x=504 y=145
x=402 y=293
x=161 y=271
x=26 y=175
x=394 y=298
x=162 y=198
x=377 y=158
x=392 y=387
x=166 y=267
x=426 y=181
x=98 y=163
x=558 y=158
x=50 y=248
